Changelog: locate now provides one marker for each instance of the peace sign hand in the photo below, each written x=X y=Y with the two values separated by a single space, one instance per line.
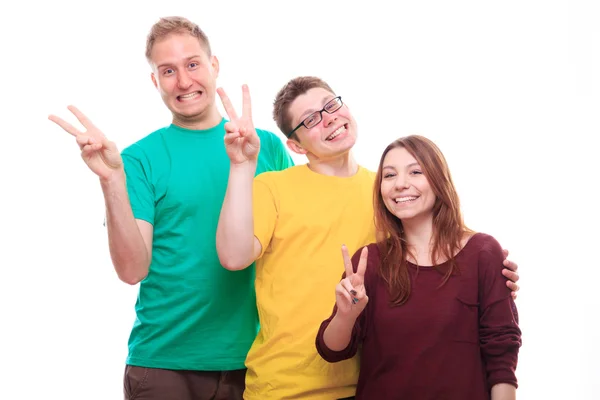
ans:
x=100 y=154
x=351 y=296
x=241 y=141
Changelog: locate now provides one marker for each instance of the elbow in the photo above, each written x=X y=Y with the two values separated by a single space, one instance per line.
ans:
x=232 y=260
x=231 y=264
x=131 y=279
x=132 y=274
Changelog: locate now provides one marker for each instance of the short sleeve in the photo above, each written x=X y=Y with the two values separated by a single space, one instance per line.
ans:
x=139 y=186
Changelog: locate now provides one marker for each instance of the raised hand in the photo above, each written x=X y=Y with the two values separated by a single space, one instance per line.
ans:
x=241 y=141
x=350 y=294
x=100 y=154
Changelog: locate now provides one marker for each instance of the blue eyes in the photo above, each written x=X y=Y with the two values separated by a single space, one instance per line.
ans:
x=191 y=65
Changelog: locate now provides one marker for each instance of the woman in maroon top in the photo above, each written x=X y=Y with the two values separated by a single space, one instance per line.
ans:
x=428 y=306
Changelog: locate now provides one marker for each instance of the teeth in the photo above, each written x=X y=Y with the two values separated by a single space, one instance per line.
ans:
x=189 y=95
x=404 y=199
x=336 y=132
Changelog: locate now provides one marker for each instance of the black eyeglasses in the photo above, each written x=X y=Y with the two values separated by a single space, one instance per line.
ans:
x=313 y=119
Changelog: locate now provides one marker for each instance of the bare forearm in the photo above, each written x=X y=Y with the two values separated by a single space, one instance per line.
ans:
x=235 y=232
x=504 y=391
x=338 y=333
x=129 y=253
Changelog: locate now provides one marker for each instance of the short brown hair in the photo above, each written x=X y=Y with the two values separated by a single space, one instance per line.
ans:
x=294 y=88
x=175 y=25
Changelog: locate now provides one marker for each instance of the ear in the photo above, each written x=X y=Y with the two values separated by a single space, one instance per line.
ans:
x=154 y=81
x=214 y=62
x=296 y=147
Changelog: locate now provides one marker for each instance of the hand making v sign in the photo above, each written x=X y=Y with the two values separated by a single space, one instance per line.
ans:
x=351 y=296
x=241 y=140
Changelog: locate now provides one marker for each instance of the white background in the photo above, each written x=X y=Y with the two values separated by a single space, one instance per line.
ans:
x=509 y=90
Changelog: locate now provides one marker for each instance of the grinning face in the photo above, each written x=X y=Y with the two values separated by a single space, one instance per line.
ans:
x=405 y=190
x=185 y=75
x=332 y=137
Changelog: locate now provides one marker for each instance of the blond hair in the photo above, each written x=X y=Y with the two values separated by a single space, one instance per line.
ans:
x=175 y=25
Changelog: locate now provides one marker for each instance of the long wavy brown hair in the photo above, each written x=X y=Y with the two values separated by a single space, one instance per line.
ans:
x=448 y=225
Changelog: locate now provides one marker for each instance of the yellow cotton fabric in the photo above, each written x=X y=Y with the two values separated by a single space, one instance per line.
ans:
x=302 y=218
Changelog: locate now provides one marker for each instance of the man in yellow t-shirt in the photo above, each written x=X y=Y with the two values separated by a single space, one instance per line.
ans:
x=294 y=223
x=301 y=218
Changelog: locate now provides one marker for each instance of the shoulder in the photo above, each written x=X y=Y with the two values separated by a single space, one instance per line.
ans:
x=285 y=175
x=488 y=251
x=367 y=174
x=144 y=145
x=485 y=243
x=264 y=134
x=270 y=141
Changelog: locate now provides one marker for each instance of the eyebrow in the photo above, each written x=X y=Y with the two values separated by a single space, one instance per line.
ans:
x=408 y=166
x=168 y=64
x=324 y=101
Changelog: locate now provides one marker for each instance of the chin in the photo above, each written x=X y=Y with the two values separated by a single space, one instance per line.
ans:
x=191 y=112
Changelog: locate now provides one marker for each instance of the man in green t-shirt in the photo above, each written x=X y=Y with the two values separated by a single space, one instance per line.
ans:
x=195 y=321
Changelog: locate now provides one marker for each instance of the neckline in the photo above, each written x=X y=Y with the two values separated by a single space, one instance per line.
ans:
x=445 y=262
x=214 y=129
x=359 y=171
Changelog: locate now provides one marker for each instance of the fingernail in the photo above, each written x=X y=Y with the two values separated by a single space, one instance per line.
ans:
x=353 y=292
x=355 y=300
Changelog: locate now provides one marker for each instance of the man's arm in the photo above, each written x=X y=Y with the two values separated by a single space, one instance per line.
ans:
x=130 y=243
x=237 y=246
x=129 y=239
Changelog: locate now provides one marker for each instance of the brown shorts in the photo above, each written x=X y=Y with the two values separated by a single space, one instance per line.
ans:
x=142 y=383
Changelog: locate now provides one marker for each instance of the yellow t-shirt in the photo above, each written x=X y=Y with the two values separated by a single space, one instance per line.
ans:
x=302 y=218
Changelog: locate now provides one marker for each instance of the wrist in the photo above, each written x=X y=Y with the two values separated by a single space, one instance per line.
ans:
x=343 y=320
x=248 y=166
x=115 y=179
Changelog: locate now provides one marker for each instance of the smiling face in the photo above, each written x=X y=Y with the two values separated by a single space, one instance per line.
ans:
x=405 y=190
x=334 y=136
x=185 y=75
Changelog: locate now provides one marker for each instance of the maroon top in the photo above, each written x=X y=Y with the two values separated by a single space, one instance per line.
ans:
x=452 y=342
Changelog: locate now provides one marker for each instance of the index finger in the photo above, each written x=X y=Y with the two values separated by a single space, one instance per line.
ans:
x=347 y=261
x=227 y=105
x=65 y=125
x=246 y=103
x=362 y=263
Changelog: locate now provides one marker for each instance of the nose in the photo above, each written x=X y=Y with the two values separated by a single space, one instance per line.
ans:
x=328 y=119
x=184 y=80
x=402 y=182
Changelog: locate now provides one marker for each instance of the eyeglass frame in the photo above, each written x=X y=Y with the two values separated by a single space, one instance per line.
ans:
x=302 y=124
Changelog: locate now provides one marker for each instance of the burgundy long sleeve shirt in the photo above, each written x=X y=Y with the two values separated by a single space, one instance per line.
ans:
x=450 y=342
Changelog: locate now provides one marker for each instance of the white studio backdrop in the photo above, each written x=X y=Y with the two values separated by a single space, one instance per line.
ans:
x=508 y=90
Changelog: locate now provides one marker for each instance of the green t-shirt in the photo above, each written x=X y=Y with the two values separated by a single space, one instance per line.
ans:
x=191 y=313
